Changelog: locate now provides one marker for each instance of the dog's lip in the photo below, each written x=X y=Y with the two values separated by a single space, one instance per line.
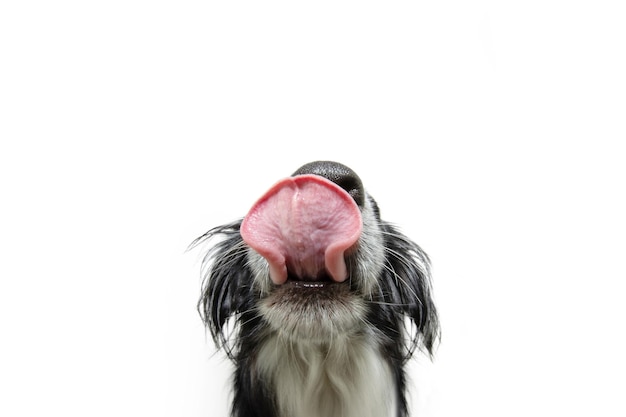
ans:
x=302 y=285
x=309 y=284
x=304 y=282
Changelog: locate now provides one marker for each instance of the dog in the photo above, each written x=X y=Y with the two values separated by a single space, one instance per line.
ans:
x=317 y=301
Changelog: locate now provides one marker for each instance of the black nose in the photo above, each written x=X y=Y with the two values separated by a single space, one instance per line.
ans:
x=339 y=174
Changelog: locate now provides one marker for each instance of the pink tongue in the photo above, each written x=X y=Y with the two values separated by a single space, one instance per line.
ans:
x=303 y=225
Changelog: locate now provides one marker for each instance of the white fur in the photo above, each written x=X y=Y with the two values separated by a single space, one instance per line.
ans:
x=345 y=378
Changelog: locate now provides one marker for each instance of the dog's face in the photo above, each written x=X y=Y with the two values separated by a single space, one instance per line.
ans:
x=317 y=300
x=312 y=260
x=316 y=250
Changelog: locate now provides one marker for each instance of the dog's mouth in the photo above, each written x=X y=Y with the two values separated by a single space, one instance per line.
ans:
x=296 y=283
x=318 y=284
x=303 y=227
x=307 y=247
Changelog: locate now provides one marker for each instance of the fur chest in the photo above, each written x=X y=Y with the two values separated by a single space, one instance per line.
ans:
x=347 y=377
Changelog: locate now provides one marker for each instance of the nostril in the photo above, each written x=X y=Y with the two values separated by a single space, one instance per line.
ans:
x=339 y=174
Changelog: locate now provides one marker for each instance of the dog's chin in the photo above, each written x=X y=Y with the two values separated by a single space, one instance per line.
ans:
x=319 y=311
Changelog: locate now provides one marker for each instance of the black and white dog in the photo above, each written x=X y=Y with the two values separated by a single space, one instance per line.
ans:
x=318 y=302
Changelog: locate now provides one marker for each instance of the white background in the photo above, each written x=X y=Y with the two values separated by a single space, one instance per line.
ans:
x=492 y=132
